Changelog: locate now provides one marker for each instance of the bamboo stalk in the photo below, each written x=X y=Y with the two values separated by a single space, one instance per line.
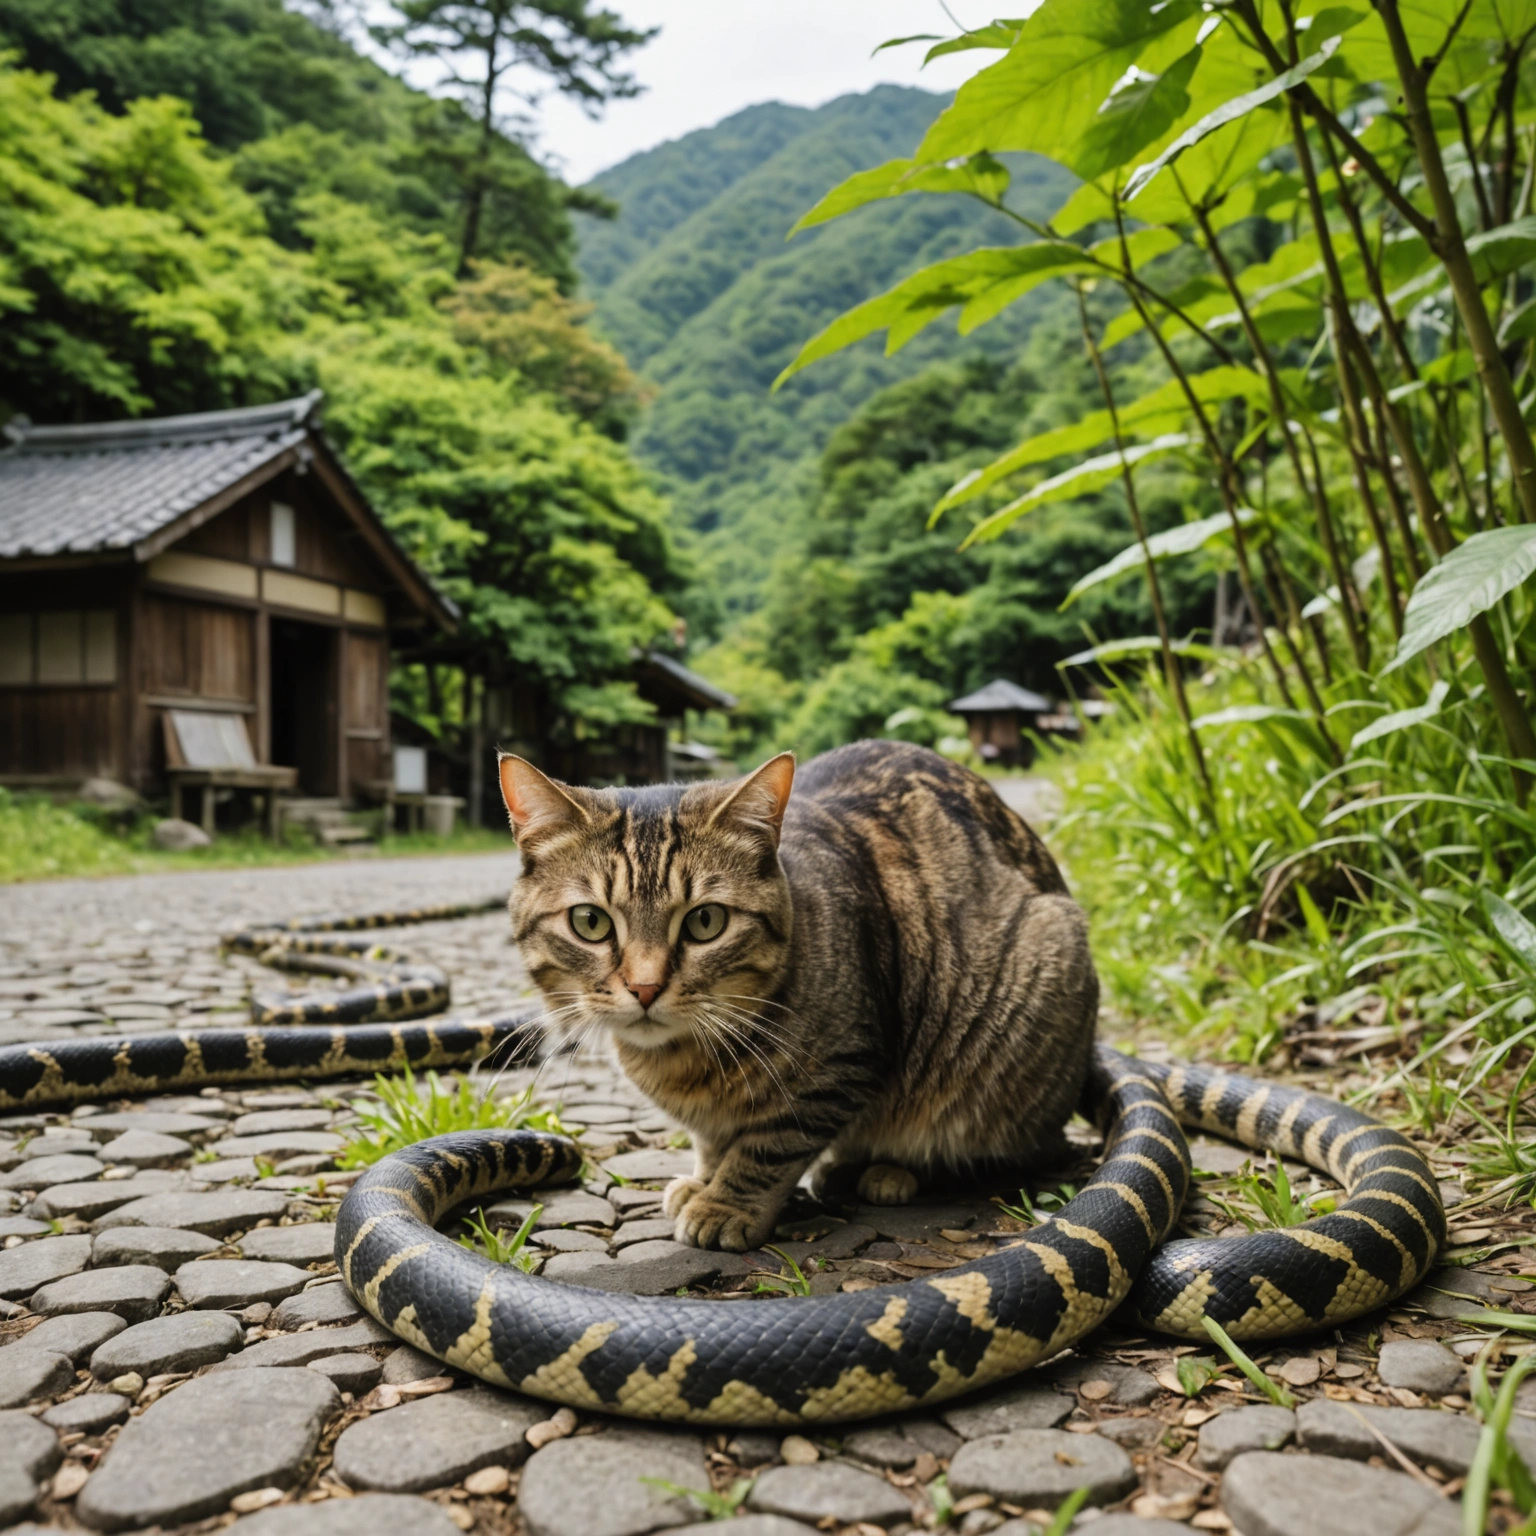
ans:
x=1449 y=244
x=1154 y=586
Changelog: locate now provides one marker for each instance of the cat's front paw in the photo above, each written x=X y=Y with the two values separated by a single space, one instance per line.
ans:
x=886 y=1184
x=679 y=1193
x=709 y=1222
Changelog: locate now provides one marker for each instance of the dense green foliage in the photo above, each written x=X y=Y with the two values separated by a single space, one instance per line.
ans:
x=145 y=270
x=1322 y=843
x=867 y=614
x=304 y=116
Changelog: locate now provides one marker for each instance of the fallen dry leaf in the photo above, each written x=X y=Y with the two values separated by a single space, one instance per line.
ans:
x=925 y=1468
x=1097 y=1390
x=1303 y=1371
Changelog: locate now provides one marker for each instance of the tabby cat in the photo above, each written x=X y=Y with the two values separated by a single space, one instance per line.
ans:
x=882 y=971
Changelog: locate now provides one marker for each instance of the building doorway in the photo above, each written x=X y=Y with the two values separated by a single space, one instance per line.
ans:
x=303 y=703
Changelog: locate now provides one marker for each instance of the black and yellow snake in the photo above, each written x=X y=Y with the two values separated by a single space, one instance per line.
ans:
x=794 y=1360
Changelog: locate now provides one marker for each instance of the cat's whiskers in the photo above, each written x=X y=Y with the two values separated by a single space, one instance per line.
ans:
x=720 y=1033
x=548 y=1016
x=737 y=1034
x=771 y=1031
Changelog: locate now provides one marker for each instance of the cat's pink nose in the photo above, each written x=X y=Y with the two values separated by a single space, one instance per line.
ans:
x=644 y=991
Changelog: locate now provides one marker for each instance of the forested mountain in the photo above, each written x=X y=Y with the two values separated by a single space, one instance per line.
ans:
x=833 y=609
x=695 y=284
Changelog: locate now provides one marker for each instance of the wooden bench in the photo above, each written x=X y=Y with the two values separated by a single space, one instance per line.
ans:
x=210 y=751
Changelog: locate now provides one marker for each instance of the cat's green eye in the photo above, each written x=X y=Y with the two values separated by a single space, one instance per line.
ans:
x=590 y=923
x=705 y=923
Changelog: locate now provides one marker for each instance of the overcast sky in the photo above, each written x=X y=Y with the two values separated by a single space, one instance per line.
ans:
x=714 y=57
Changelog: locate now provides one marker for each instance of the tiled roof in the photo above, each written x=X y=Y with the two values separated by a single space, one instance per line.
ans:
x=1000 y=695
x=94 y=489
x=680 y=685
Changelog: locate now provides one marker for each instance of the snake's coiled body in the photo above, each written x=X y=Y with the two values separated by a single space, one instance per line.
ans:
x=794 y=1360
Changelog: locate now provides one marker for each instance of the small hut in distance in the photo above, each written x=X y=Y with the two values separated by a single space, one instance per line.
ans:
x=997 y=717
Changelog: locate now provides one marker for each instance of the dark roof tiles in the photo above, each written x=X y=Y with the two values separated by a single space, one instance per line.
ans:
x=1000 y=695
x=96 y=489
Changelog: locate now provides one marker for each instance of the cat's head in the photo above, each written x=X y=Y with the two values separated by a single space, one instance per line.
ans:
x=659 y=913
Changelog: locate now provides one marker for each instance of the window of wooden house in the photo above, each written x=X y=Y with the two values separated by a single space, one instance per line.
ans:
x=284 y=541
x=60 y=649
x=15 y=648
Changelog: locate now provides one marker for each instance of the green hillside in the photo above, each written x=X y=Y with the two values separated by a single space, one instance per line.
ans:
x=695 y=284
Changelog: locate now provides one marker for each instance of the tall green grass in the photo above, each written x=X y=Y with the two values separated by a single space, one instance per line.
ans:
x=1395 y=889
x=41 y=840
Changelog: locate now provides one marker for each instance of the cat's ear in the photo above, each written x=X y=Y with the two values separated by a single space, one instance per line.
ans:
x=535 y=803
x=759 y=801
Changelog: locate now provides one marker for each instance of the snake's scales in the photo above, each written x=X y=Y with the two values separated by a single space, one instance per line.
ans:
x=791 y=1360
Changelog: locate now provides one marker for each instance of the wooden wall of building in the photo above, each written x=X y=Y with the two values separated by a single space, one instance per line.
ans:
x=63 y=639
x=192 y=628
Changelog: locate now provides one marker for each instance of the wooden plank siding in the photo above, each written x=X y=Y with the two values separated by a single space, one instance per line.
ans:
x=193 y=630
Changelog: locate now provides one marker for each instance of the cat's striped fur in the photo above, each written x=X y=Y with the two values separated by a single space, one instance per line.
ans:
x=902 y=986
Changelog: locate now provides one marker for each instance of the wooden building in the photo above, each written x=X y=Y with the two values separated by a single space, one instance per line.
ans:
x=523 y=719
x=997 y=717
x=221 y=563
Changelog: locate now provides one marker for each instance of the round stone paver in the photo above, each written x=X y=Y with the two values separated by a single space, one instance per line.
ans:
x=310 y=1242
x=23 y=1269
x=62 y=1168
x=1263 y=1427
x=437 y=1440
x=371 y=1514
x=214 y=1215
x=27 y=1374
x=356 y=1374
x=181 y=1342
x=315 y=1344
x=74 y=1334
x=1431 y=1436
x=319 y=1304
x=407 y=1364
x=1266 y=1493
x=591 y=1485
x=89 y=1414
x=187 y=1455
x=93 y=1202
x=145 y=1149
x=899 y=1445
x=29 y=1451
x=1035 y=1467
x=829 y=1489
x=167 y=1248
x=260 y=1122
x=238 y=1282
x=1000 y=1412
x=1421 y=1365
x=133 y=1291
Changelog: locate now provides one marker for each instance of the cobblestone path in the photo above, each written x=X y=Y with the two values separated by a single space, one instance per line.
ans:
x=177 y=1352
